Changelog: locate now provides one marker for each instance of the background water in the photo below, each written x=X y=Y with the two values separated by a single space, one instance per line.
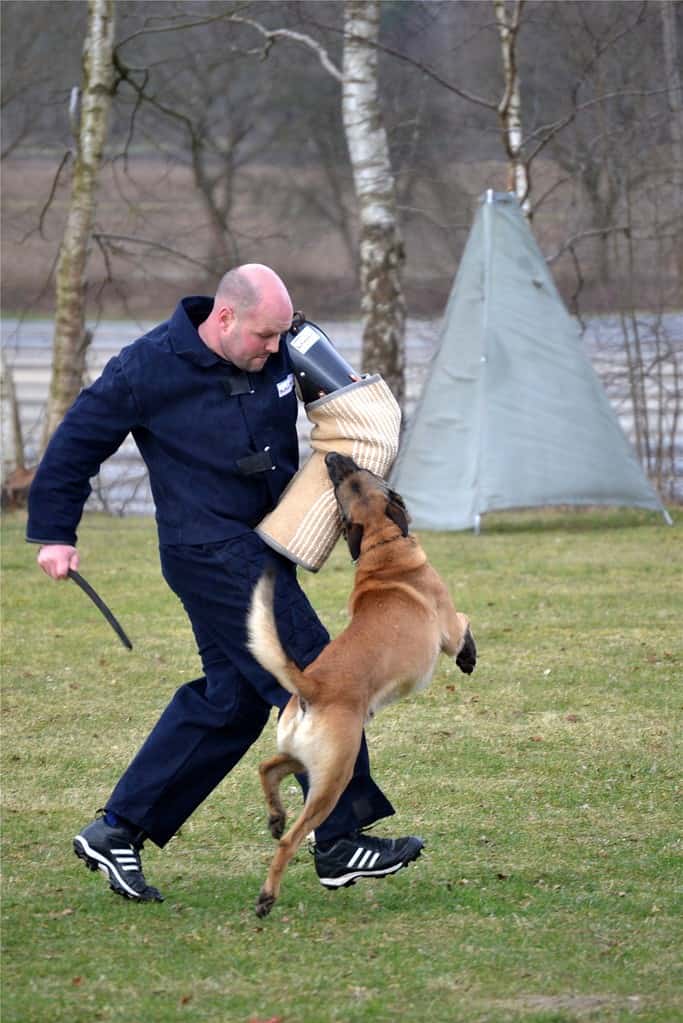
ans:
x=122 y=486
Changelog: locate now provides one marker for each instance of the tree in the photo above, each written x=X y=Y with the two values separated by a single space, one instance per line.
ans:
x=381 y=250
x=510 y=105
x=381 y=247
x=196 y=101
x=16 y=478
x=71 y=339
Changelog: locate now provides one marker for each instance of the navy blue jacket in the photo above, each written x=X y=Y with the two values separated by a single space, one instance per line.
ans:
x=220 y=444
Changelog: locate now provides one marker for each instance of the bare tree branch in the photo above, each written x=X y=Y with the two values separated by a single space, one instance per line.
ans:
x=581 y=236
x=159 y=30
x=272 y=35
x=554 y=127
x=48 y=202
x=426 y=70
x=102 y=238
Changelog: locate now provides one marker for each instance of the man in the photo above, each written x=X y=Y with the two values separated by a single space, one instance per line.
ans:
x=209 y=399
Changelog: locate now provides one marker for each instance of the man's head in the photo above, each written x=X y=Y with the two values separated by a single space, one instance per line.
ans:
x=251 y=309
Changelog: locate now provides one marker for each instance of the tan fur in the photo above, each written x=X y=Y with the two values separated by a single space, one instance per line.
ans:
x=402 y=617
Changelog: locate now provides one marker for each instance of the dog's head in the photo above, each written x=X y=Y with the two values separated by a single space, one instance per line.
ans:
x=365 y=501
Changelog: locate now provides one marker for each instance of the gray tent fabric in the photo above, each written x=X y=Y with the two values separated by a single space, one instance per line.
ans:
x=512 y=414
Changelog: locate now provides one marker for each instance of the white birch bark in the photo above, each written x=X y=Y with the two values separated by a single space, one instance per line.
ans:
x=11 y=433
x=381 y=247
x=70 y=337
x=510 y=106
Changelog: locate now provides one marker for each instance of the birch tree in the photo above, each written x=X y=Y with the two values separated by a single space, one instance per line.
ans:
x=70 y=337
x=381 y=248
x=381 y=251
x=510 y=106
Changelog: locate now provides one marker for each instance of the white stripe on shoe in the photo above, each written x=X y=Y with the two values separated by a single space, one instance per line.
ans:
x=107 y=866
x=355 y=856
x=126 y=858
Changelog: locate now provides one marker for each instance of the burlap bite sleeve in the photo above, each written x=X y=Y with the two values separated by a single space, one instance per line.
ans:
x=361 y=420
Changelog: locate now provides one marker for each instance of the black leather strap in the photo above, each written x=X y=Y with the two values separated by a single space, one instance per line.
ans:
x=259 y=461
x=238 y=383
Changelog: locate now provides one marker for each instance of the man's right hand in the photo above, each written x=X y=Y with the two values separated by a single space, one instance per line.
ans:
x=56 y=559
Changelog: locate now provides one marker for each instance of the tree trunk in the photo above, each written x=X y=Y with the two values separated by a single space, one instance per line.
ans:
x=71 y=339
x=675 y=95
x=510 y=106
x=381 y=247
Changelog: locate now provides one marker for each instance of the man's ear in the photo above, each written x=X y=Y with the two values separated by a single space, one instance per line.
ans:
x=226 y=316
x=354 y=538
x=397 y=511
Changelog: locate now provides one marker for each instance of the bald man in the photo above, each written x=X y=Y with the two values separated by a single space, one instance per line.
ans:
x=209 y=399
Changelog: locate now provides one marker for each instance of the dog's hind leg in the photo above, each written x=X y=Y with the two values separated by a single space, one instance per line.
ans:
x=316 y=809
x=271 y=773
x=326 y=786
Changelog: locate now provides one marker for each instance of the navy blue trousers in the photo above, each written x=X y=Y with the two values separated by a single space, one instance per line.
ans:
x=212 y=721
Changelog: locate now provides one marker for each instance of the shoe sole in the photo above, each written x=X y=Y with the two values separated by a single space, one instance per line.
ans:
x=96 y=861
x=346 y=880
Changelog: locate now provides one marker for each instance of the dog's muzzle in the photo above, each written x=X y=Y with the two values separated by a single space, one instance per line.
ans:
x=339 y=467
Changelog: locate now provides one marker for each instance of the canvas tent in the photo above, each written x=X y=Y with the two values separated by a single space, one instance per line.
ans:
x=512 y=414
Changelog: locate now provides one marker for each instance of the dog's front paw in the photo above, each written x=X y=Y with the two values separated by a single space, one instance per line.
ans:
x=467 y=658
x=264 y=903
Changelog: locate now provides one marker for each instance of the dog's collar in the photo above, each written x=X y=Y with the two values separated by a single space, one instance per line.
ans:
x=381 y=543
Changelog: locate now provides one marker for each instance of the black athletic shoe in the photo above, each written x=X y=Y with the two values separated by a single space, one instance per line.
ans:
x=358 y=856
x=116 y=852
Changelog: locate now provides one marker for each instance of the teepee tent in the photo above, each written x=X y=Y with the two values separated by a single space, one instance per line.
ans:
x=512 y=414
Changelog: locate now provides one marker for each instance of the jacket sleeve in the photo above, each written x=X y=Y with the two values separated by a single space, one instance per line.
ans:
x=93 y=429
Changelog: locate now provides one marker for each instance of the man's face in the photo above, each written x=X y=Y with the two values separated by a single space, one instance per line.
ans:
x=249 y=337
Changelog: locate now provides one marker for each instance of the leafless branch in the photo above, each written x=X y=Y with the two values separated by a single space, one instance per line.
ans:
x=159 y=30
x=425 y=69
x=102 y=238
x=582 y=235
x=271 y=35
x=552 y=128
x=127 y=74
x=48 y=202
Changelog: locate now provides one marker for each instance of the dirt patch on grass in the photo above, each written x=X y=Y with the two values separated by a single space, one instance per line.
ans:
x=569 y=1006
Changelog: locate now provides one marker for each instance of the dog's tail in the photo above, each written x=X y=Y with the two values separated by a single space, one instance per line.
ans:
x=264 y=642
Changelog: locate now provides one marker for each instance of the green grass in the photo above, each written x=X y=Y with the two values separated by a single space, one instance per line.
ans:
x=545 y=787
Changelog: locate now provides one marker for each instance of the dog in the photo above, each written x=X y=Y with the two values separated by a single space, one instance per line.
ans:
x=402 y=617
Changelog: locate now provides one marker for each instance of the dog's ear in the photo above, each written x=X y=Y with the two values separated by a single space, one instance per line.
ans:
x=353 y=532
x=397 y=511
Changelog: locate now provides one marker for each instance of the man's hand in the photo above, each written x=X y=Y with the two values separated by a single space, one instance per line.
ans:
x=56 y=559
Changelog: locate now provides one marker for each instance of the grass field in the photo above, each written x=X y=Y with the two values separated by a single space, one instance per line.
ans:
x=544 y=785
